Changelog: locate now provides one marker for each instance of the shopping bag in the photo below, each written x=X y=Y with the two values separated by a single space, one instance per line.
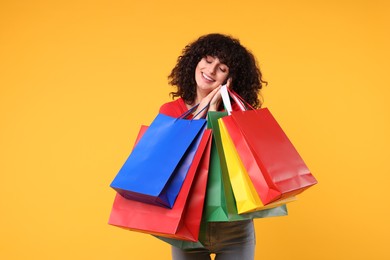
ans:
x=263 y=184
x=220 y=203
x=245 y=195
x=276 y=169
x=156 y=168
x=183 y=220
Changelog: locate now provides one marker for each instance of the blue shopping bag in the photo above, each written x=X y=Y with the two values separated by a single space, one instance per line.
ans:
x=156 y=168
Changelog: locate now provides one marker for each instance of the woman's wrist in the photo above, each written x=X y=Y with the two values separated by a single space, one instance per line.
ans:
x=213 y=108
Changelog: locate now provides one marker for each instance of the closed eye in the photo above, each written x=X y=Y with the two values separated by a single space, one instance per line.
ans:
x=209 y=59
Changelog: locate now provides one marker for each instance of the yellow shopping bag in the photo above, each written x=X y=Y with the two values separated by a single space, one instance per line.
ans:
x=245 y=194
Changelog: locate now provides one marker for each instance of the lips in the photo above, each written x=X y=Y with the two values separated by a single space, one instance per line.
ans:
x=208 y=78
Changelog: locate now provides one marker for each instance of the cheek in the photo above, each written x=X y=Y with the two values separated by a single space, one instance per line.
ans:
x=223 y=77
x=198 y=76
x=197 y=71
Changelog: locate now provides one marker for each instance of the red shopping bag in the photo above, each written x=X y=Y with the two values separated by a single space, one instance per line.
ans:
x=263 y=184
x=180 y=222
x=276 y=169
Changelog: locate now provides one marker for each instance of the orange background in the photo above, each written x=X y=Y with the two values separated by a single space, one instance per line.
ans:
x=78 y=78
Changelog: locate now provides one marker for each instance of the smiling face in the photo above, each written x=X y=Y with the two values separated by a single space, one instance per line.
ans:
x=209 y=74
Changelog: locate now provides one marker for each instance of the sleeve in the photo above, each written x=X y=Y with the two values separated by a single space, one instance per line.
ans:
x=172 y=109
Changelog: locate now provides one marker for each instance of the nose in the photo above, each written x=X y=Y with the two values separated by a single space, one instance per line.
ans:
x=212 y=68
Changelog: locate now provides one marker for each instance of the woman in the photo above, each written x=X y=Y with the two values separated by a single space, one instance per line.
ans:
x=204 y=66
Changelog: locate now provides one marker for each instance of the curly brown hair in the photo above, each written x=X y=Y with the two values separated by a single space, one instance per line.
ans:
x=243 y=69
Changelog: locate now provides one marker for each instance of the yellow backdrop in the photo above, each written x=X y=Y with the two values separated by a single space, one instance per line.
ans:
x=77 y=79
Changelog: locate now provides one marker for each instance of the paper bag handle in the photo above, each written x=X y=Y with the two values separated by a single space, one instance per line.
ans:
x=226 y=93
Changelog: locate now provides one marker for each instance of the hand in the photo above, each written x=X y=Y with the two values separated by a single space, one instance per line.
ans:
x=213 y=99
x=216 y=100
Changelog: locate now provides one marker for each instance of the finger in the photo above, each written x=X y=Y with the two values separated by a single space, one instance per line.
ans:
x=215 y=90
x=229 y=82
x=211 y=95
x=217 y=96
